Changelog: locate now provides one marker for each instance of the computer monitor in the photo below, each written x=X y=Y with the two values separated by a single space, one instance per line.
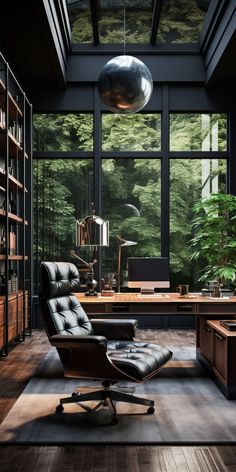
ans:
x=148 y=273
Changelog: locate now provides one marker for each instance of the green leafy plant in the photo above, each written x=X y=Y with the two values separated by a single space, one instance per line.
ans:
x=214 y=238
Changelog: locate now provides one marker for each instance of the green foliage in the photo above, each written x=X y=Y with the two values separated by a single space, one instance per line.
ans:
x=180 y=22
x=81 y=27
x=60 y=193
x=63 y=132
x=138 y=132
x=214 y=238
x=188 y=133
x=64 y=188
x=134 y=182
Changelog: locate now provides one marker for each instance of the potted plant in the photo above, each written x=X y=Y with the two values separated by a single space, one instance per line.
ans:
x=214 y=240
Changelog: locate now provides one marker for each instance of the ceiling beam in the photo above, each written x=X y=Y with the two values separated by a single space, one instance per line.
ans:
x=94 y=15
x=155 y=20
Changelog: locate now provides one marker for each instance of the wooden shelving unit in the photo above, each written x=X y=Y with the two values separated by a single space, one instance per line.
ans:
x=15 y=209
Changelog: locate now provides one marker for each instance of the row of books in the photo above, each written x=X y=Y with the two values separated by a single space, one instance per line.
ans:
x=14 y=127
x=12 y=243
x=2 y=118
x=16 y=130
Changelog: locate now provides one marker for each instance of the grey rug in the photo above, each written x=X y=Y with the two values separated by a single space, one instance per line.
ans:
x=189 y=409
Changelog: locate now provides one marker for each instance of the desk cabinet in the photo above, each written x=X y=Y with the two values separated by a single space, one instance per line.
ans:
x=217 y=351
x=17 y=321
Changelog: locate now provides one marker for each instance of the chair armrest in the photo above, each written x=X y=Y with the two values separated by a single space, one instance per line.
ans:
x=114 y=328
x=85 y=356
x=74 y=341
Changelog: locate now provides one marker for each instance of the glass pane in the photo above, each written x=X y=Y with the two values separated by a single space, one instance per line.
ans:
x=190 y=181
x=138 y=132
x=63 y=132
x=63 y=192
x=131 y=201
x=198 y=132
x=181 y=20
x=138 y=21
x=80 y=21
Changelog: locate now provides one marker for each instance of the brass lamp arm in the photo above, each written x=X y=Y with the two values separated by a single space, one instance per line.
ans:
x=88 y=264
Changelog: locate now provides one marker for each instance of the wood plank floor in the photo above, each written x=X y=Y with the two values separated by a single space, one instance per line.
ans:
x=18 y=367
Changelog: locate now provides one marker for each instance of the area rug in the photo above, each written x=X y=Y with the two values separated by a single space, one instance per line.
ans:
x=189 y=409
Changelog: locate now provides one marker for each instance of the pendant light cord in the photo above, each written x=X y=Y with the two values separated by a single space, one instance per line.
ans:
x=124 y=28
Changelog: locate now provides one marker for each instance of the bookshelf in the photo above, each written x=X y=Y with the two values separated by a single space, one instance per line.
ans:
x=15 y=209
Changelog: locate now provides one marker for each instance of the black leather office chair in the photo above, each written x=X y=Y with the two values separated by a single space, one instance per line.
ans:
x=101 y=349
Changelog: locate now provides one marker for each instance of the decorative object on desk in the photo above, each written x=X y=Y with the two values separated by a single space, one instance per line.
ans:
x=91 y=283
x=214 y=240
x=229 y=324
x=92 y=231
x=121 y=243
x=125 y=84
x=183 y=290
x=107 y=284
x=216 y=291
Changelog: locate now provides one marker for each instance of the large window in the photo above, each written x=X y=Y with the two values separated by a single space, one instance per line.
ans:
x=181 y=21
x=190 y=180
x=138 y=132
x=141 y=200
x=63 y=132
x=131 y=201
x=198 y=132
x=63 y=193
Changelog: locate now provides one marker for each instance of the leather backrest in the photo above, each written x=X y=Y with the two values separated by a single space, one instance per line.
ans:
x=68 y=316
x=61 y=310
x=59 y=278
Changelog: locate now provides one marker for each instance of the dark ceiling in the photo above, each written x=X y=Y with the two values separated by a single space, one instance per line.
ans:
x=27 y=42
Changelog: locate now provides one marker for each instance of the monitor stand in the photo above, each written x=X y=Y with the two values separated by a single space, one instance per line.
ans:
x=147 y=291
x=150 y=292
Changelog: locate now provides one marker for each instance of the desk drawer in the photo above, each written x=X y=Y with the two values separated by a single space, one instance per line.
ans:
x=96 y=307
x=205 y=339
x=161 y=308
x=217 y=308
x=220 y=354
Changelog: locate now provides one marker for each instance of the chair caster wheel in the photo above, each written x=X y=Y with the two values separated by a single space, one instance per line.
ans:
x=150 y=410
x=59 y=409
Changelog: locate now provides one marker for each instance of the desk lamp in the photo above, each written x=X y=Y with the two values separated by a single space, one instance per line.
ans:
x=92 y=231
x=121 y=243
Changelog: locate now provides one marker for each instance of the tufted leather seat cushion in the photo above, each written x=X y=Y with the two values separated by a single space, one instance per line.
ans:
x=136 y=358
x=68 y=316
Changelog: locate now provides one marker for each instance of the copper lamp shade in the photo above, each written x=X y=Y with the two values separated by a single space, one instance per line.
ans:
x=92 y=231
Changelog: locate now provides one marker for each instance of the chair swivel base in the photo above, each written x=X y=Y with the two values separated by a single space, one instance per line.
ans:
x=106 y=397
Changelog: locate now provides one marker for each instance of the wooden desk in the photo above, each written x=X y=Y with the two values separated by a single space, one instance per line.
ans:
x=162 y=311
x=215 y=346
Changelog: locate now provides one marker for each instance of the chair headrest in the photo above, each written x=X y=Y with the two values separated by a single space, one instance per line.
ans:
x=58 y=279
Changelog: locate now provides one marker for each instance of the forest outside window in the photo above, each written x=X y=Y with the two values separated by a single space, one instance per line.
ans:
x=190 y=181
x=63 y=194
x=198 y=132
x=138 y=132
x=63 y=132
x=131 y=201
